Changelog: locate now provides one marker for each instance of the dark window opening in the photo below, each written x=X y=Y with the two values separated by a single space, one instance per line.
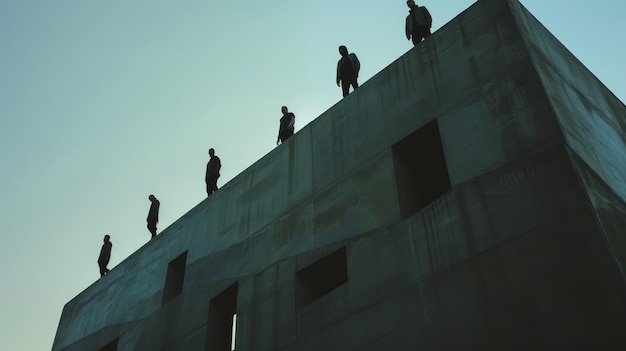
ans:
x=112 y=346
x=321 y=277
x=421 y=170
x=221 y=323
x=175 y=278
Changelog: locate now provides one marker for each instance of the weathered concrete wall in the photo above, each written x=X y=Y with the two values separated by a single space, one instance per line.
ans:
x=610 y=213
x=593 y=120
x=495 y=273
x=476 y=78
x=505 y=254
x=468 y=272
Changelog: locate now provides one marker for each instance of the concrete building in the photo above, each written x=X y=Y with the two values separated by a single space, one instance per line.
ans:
x=469 y=196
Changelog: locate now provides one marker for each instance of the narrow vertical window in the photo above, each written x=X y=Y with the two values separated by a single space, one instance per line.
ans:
x=175 y=278
x=233 y=333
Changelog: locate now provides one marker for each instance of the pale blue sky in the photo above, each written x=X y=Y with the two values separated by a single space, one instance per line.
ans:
x=105 y=102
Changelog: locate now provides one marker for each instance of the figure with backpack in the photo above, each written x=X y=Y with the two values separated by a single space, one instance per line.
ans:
x=418 y=22
x=347 y=70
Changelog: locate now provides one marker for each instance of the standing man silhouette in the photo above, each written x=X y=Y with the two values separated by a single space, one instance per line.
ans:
x=287 y=121
x=418 y=22
x=153 y=215
x=212 y=172
x=347 y=70
x=105 y=256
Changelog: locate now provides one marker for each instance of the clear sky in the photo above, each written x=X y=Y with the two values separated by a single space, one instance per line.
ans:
x=105 y=102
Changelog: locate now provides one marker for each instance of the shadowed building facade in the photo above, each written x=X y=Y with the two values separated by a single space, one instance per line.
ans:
x=469 y=196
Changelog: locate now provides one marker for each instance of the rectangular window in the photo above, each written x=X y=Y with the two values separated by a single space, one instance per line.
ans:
x=222 y=318
x=421 y=170
x=175 y=278
x=321 y=277
x=112 y=346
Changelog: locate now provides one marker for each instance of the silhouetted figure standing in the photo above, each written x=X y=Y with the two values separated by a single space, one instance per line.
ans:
x=347 y=70
x=286 y=127
x=212 y=172
x=153 y=215
x=105 y=256
x=418 y=22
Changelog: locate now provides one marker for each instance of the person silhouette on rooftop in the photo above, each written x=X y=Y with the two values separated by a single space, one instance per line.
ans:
x=287 y=121
x=105 y=256
x=212 y=172
x=418 y=23
x=153 y=215
x=347 y=70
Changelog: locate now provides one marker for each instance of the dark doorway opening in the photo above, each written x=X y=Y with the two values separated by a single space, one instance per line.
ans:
x=221 y=324
x=421 y=170
x=175 y=278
